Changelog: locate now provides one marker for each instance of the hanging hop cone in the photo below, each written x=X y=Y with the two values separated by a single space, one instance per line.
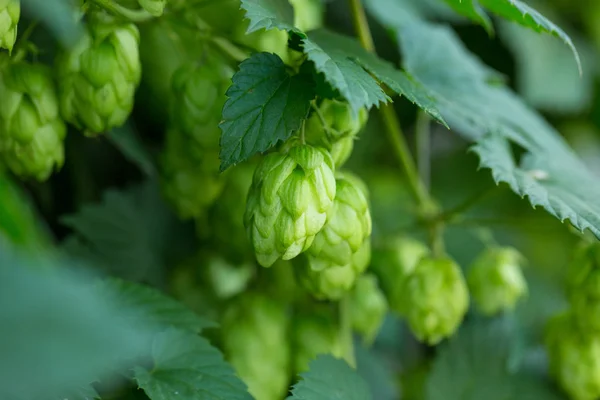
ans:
x=99 y=77
x=31 y=130
x=574 y=357
x=393 y=263
x=583 y=286
x=496 y=281
x=288 y=202
x=190 y=161
x=333 y=126
x=368 y=307
x=312 y=335
x=435 y=299
x=10 y=12
x=255 y=342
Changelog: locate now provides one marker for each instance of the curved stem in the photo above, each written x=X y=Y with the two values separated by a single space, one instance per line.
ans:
x=124 y=12
x=423 y=134
x=229 y=48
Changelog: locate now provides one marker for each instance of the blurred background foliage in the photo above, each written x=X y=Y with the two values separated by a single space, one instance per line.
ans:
x=111 y=179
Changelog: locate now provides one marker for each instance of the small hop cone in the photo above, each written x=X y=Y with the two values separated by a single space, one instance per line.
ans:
x=393 y=264
x=288 y=202
x=308 y=14
x=335 y=126
x=435 y=299
x=99 y=77
x=496 y=281
x=255 y=342
x=583 y=286
x=368 y=307
x=574 y=357
x=312 y=335
x=10 y=12
x=31 y=130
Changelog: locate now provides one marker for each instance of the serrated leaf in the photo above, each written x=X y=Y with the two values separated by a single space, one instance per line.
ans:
x=269 y=14
x=144 y=305
x=187 y=367
x=472 y=10
x=475 y=104
x=57 y=333
x=330 y=378
x=265 y=105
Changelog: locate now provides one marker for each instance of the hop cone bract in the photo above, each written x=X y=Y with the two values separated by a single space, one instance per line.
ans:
x=583 y=285
x=368 y=307
x=99 y=77
x=574 y=357
x=435 y=299
x=10 y=12
x=288 y=202
x=31 y=130
x=255 y=342
x=496 y=281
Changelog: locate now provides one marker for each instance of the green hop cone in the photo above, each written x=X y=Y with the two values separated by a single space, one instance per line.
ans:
x=315 y=334
x=31 y=130
x=99 y=77
x=435 y=299
x=583 y=286
x=308 y=14
x=10 y=12
x=335 y=127
x=496 y=281
x=269 y=41
x=255 y=342
x=393 y=263
x=574 y=357
x=288 y=202
x=368 y=307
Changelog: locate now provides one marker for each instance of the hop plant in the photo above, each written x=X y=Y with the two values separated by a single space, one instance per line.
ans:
x=334 y=126
x=10 y=12
x=312 y=335
x=393 y=263
x=368 y=307
x=583 y=286
x=99 y=77
x=31 y=130
x=495 y=280
x=255 y=341
x=288 y=202
x=574 y=357
x=435 y=299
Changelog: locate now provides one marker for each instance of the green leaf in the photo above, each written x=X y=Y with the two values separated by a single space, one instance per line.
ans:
x=265 y=105
x=149 y=307
x=472 y=10
x=475 y=104
x=131 y=234
x=187 y=367
x=58 y=334
x=330 y=378
x=269 y=14
x=126 y=140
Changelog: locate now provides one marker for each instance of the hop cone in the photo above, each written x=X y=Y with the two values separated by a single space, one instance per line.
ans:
x=255 y=342
x=435 y=299
x=335 y=127
x=495 y=280
x=574 y=357
x=99 y=77
x=308 y=14
x=312 y=335
x=10 y=12
x=369 y=306
x=269 y=41
x=393 y=264
x=190 y=162
x=583 y=286
x=31 y=131
x=288 y=202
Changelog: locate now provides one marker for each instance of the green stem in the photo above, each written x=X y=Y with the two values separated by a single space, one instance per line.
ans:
x=456 y=211
x=124 y=12
x=346 y=330
x=423 y=134
x=230 y=49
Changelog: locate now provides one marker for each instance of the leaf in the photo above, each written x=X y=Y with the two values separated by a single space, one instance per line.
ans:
x=146 y=306
x=130 y=234
x=472 y=10
x=126 y=140
x=269 y=14
x=187 y=367
x=377 y=372
x=330 y=378
x=57 y=333
x=475 y=104
x=265 y=105
x=58 y=16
